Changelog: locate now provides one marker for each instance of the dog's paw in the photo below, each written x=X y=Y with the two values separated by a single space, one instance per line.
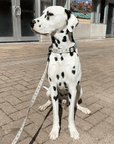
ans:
x=42 y=107
x=54 y=133
x=86 y=111
x=74 y=133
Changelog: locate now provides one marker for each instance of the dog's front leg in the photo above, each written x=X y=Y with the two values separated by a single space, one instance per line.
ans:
x=72 y=97
x=54 y=96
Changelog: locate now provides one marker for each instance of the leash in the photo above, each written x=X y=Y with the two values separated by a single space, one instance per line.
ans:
x=71 y=49
x=31 y=104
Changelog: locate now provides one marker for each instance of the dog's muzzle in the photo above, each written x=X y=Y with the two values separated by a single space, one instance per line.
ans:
x=32 y=23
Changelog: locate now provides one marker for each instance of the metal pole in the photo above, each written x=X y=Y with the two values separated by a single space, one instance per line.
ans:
x=54 y=2
x=98 y=10
x=106 y=12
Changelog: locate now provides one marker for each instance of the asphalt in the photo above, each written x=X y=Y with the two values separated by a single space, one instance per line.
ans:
x=21 y=67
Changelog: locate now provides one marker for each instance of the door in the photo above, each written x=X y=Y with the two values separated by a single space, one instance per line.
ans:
x=15 y=16
x=110 y=22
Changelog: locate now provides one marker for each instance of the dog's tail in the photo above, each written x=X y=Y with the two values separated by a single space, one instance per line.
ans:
x=45 y=88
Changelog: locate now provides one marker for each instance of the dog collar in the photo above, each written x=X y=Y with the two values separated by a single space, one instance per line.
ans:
x=71 y=49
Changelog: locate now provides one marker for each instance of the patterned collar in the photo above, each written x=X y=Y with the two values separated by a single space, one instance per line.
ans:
x=71 y=49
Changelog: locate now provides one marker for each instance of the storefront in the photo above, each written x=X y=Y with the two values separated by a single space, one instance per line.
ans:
x=15 y=16
x=103 y=13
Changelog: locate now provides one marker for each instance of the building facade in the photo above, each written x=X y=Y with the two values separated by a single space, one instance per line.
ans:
x=15 y=16
x=103 y=14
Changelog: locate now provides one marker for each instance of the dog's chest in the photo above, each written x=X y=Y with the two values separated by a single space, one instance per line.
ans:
x=63 y=69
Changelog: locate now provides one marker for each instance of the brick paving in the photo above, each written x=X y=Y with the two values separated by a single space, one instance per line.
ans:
x=21 y=67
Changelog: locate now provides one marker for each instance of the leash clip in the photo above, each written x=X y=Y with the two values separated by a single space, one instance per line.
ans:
x=71 y=49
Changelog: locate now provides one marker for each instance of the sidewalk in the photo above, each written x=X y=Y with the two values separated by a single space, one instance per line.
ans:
x=21 y=67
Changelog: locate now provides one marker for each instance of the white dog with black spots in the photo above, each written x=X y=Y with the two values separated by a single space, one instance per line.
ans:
x=64 y=69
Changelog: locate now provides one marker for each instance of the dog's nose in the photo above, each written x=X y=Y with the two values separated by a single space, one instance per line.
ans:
x=32 y=23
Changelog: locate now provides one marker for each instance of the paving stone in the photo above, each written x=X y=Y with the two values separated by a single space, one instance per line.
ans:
x=83 y=124
x=108 y=111
x=90 y=100
x=39 y=120
x=19 y=114
x=101 y=130
x=7 y=108
x=95 y=107
x=109 y=139
x=2 y=100
x=12 y=100
x=23 y=105
x=14 y=126
x=96 y=118
x=7 y=139
x=2 y=132
x=26 y=141
x=110 y=120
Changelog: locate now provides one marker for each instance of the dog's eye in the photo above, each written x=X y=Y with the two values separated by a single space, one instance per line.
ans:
x=49 y=13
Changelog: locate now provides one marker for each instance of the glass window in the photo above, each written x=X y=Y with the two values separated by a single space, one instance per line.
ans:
x=6 y=21
x=27 y=14
x=102 y=11
x=61 y=2
x=45 y=4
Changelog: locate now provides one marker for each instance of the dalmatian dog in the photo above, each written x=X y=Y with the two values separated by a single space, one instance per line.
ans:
x=64 y=69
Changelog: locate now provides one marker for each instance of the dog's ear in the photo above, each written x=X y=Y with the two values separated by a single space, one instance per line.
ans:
x=72 y=21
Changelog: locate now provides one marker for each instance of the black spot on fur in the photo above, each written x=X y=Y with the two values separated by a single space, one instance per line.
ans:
x=73 y=71
x=71 y=53
x=61 y=94
x=56 y=59
x=61 y=31
x=59 y=101
x=62 y=58
x=80 y=101
x=62 y=74
x=65 y=84
x=54 y=88
x=68 y=12
x=38 y=21
x=56 y=44
x=72 y=27
x=50 y=79
x=57 y=77
x=45 y=16
x=64 y=39
x=69 y=104
x=67 y=31
x=53 y=39
x=70 y=95
x=60 y=84
x=39 y=25
x=48 y=59
x=48 y=18
x=72 y=39
x=58 y=41
x=66 y=22
x=55 y=98
x=73 y=67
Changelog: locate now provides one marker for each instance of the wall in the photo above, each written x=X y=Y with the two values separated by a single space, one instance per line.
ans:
x=88 y=31
x=84 y=31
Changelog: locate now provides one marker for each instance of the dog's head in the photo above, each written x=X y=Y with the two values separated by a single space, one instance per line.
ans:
x=54 y=18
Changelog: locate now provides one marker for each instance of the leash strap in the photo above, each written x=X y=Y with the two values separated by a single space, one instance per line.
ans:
x=71 y=49
x=31 y=104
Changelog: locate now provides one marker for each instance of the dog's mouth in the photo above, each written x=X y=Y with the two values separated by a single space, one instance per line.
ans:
x=46 y=34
